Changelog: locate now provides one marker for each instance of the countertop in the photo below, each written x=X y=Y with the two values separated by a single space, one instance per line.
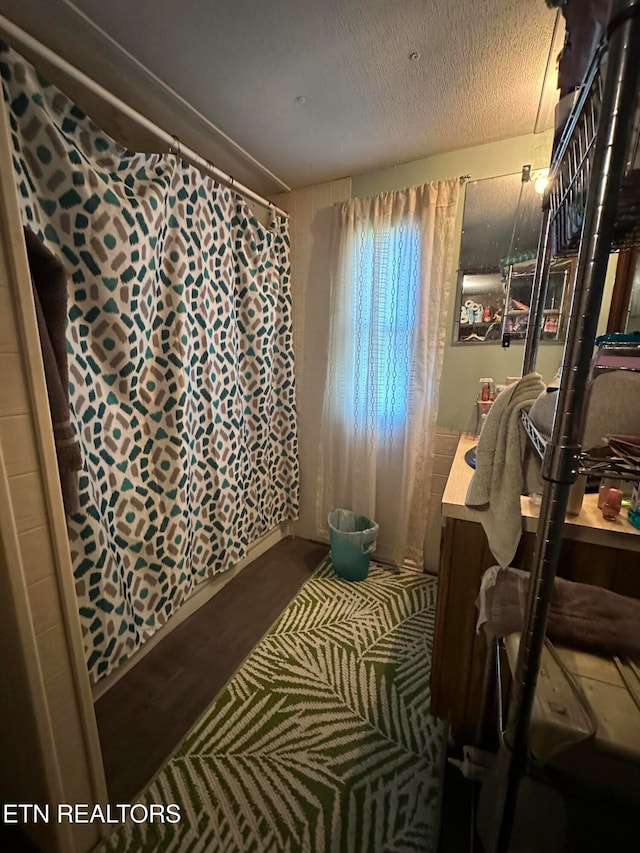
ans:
x=588 y=526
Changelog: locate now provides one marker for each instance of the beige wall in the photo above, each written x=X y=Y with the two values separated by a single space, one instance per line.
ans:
x=47 y=713
x=310 y=224
x=25 y=732
x=464 y=365
x=446 y=442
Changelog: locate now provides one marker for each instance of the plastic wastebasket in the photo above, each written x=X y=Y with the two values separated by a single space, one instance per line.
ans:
x=353 y=539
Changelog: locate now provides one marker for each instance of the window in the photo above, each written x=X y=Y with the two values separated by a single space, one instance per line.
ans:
x=385 y=265
x=388 y=302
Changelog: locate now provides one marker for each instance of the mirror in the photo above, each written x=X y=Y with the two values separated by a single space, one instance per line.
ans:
x=633 y=313
x=500 y=233
x=624 y=309
x=491 y=215
x=630 y=273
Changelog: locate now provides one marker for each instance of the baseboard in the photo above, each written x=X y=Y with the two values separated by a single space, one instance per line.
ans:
x=203 y=593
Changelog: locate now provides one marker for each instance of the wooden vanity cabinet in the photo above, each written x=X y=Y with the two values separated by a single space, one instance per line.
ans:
x=605 y=554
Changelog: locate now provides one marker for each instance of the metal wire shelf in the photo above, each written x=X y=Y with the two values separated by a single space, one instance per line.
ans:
x=601 y=463
x=572 y=168
x=536 y=438
x=595 y=158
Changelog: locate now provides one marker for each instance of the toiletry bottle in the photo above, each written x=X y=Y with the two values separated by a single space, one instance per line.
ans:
x=576 y=495
x=612 y=504
x=605 y=484
x=486 y=388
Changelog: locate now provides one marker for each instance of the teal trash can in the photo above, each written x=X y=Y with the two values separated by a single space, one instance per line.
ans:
x=353 y=539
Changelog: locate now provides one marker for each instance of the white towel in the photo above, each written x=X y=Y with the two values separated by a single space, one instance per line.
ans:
x=499 y=478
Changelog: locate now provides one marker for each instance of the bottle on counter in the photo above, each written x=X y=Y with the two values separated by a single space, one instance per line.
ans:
x=605 y=484
x=486 y=389
x=576 y=495
x=485 y=399
x=612 y=504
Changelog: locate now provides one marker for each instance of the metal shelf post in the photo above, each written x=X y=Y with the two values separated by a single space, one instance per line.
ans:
x=538 y=291
x=560 y=463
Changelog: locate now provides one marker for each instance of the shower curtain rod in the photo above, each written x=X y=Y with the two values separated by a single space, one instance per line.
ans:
x=22 y=38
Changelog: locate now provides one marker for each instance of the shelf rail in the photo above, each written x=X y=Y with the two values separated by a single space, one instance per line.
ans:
x=561 y=456
x=539 y=290
x=607 y=464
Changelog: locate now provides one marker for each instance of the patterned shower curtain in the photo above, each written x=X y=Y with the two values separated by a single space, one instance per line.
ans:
x=180 y=360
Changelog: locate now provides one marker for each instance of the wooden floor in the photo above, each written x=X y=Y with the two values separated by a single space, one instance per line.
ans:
x=145 y=715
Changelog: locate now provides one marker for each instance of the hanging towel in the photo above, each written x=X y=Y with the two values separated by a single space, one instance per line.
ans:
x=499 y=478
x=581 y=615
x=49 y=284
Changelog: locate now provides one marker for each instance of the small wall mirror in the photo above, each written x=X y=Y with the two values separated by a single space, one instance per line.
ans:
x=625 y=304
x=500 y=234
x=632 y=322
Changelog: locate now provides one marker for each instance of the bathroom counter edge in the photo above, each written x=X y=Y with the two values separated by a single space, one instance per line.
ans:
x=588 y=526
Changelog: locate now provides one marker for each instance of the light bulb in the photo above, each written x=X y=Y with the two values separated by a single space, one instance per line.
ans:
x=541 y=181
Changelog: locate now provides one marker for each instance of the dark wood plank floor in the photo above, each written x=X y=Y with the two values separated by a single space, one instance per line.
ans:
x=145 y=715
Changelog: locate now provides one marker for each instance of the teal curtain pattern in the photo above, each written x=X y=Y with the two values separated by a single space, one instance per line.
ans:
x=180 y=360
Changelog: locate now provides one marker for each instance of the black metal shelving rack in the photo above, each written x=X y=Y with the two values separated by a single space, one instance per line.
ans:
x=591 y=208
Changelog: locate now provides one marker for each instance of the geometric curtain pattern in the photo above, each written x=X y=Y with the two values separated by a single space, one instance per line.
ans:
x=180 y=363
x=322 y=741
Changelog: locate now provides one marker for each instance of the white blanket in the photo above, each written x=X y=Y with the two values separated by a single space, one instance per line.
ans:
x=499 y=477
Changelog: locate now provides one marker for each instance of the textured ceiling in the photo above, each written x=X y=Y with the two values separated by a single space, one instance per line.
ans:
x=243 y=65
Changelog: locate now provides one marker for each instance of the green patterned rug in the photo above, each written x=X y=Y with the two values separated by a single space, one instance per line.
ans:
x=322 y=741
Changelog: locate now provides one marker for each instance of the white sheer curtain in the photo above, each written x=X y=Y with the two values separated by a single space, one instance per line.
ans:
x=389 y=301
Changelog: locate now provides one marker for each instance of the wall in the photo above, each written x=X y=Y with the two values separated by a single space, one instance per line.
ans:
x=53 y=753
x=464 y=365
x=311 y=222
x=446 y=443
x=25 y=730
x=633 y=316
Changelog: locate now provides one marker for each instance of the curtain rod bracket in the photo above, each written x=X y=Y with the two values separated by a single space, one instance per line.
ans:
x=175 y=147
x=464 y=179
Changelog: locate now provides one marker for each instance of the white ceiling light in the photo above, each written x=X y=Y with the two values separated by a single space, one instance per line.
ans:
x=540 y=180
